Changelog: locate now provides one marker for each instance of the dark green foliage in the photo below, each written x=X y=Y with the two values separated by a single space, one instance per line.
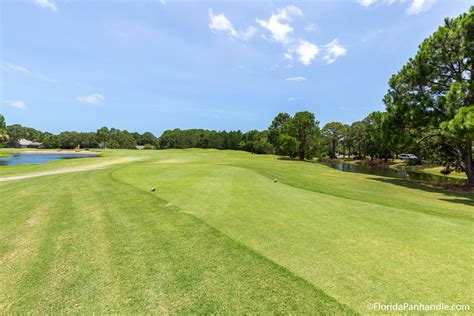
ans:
x=253 y=141
x=194 y=138
x=146 y=138
x=415 y=162
x=289 y=145
x=433 y=94
x=370 y=137
x=305 y=128
x=256 y=142
x=333 y=132
x=275 y=131
x=295 y=136
x=3 y=130
x=17 y=132
x=379 y=142
x=104 y=138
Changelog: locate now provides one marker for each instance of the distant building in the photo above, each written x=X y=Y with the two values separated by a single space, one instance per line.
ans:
x=25 y=143
x=139 y=147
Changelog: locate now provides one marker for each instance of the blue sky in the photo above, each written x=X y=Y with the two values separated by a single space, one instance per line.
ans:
x=155 y=65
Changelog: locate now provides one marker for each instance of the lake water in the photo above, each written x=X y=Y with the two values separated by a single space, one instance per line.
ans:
x=23 y=159
x=392 y=173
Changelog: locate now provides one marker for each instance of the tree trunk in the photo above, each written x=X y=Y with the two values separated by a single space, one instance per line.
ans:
x=301 y=155
x=467 y=161
x=333 y=149
x=467 y=157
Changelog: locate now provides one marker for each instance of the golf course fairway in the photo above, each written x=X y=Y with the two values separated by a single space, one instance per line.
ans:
x=226 y=232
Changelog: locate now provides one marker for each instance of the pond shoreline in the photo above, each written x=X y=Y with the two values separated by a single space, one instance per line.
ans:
x=385 y=170
x=58 y=151
x=399 y=165
x=42 y=157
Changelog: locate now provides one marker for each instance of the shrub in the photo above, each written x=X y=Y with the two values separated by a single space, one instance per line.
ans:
x=415 y=162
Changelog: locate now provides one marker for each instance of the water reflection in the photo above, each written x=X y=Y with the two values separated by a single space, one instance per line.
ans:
x=385 y=171
x=23 y=159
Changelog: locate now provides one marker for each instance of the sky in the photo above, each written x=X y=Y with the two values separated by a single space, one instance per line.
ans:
x=153 y=65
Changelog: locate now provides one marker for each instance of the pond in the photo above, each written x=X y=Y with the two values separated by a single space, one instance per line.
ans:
x=392 y=173
x=23 y=159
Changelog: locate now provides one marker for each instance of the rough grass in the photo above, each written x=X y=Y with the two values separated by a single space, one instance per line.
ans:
x=220 y=235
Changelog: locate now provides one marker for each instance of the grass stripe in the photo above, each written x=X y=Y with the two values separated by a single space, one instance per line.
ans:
x=106 y=241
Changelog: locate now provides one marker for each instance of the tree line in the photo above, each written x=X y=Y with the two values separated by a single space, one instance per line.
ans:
x=429 y=112
x=102 y=138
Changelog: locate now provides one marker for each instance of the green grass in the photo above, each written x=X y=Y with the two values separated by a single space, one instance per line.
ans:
x=220 y=235
x=437 y=171
x=428 y=169
x=5 y=153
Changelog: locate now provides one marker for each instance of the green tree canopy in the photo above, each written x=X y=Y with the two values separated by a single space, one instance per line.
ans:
x=3 y=130
x=275 y=130
x=434 y=92
x=289 y=145
x=17 y=132
x=304 y=127
x=333 y=133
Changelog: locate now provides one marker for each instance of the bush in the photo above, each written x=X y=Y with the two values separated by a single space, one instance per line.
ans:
x=415 y=162
x=446 y=171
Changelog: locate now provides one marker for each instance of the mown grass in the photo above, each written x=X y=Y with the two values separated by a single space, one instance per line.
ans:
x=219 y=235
x=436 y=170
x=90 y=243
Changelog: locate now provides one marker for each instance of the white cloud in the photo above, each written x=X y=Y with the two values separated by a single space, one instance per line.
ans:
x=248 y=33
x=418 y=6
x=48 y=4
x=296 y=78
x=221 y=23
x=415 y=7
x=367 y=3
x=93 y=98
x=333 y=51
x=291 y=99
x=280 y=31
x=306 y=52
x=24 y=71
x=18 y=104
x=16 y=68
